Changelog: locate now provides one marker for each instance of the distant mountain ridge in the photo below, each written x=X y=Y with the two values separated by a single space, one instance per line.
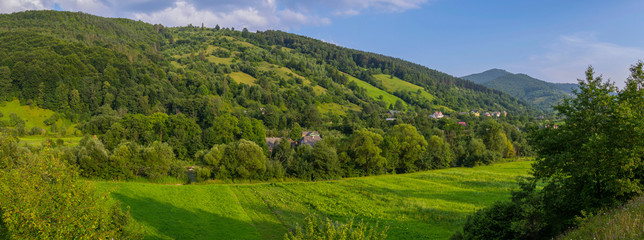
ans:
x=539 y=93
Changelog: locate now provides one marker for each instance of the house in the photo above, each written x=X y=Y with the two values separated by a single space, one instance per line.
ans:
x=272 y=142
x=393 y=113
x=475 y=113
x=390 y=119
x=487 y=114
x=437 y=115
x=505 y=114
x=463 y=123
x=496 y=114
x=462 y=113
x=309 y=138
x=312 y=134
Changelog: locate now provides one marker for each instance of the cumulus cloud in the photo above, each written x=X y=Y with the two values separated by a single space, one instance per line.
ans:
x=8 y=6
x=567 y=59
x=252 y=14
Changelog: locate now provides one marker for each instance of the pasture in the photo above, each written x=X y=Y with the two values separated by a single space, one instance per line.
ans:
x=424 y=205
x=375 y=92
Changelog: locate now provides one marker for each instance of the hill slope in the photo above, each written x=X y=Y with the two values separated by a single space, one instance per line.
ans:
x=140 y=52
x=539 y=93
x=621 y=223
x=425 y=205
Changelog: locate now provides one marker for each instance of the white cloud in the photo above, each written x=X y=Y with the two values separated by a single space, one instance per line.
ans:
x=252 y=14
x=8 y=6
x=184 y=13
x=568 y=58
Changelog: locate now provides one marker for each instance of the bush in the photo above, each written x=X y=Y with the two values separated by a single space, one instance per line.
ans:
x=494 y=222
x=43 y=198
x=35 y=131
x=315 y=228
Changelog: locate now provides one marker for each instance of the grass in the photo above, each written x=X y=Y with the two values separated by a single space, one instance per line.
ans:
x=425 y=205
x=287 y=73
x=39 y=140
x=241 y=77
x=393 y=84
x=337 y=108
x=625 y=222
x=375 y=92
x=33 y=116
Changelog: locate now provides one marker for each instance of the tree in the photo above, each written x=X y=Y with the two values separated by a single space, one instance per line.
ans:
x=439 y=154
x=406 y=146
x=93 y=158
x=364 y=148
x=324 y=159
x=5 y=83
x=246 y=159
x=296 y=132
x=594 y=159
x=157 y=159
x=43 y=198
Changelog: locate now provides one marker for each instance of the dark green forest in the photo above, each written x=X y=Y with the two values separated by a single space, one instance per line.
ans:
x=153 y=101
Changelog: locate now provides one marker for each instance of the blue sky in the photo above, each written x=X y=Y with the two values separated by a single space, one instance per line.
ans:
x=553 y=40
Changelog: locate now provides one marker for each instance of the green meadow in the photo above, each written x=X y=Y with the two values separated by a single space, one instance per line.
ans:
x=35 y=117
x=375 y=92
x=393 y=83
x=424 y=205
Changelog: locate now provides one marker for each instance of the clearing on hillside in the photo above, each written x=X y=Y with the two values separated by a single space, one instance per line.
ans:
x=375 y=92
x=34 y=116
x=425 y=205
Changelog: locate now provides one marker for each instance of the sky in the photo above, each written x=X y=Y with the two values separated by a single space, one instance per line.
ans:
x=552 y=40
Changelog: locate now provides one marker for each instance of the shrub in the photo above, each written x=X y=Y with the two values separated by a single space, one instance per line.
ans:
x=315 y=228
x=43 y=198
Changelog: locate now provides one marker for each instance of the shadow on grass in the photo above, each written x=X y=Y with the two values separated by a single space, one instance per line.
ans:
x=171 y=222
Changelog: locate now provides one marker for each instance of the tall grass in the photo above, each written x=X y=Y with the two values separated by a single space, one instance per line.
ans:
x=424 y=205
x=626 y=222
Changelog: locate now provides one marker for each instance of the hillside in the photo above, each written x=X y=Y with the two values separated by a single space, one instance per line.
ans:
x=538 y=93
x=152 y=101
x=484 y=77
x=624 y=222
x=424 y=205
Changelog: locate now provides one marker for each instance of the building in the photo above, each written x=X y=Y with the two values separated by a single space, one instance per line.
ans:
x=437 y=115
x=272 y=142
x=309 y=138
x=463 y=123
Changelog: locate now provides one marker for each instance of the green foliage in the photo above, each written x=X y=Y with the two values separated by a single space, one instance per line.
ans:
x=600 y=163
x=438 y=155
x=404 y=147
x=44 y=199
x=364 y=150
x=315 y=228
x=592 y=161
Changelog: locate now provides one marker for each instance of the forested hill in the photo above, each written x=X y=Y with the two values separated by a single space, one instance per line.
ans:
x=193 y=87
x=148 y=54
x=539 y=93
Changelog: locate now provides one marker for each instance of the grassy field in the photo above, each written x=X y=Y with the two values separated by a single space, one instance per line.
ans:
x=337 y=108
x=33 y=116
x=425 y=205
x=39 y=140
x=375 y=92
x=287 y=73
x=396 y=84
x=241 y=77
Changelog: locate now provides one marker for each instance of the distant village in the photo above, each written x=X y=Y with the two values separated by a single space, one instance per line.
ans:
x=308 y=138
x=312 y=137
x=439 y=114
